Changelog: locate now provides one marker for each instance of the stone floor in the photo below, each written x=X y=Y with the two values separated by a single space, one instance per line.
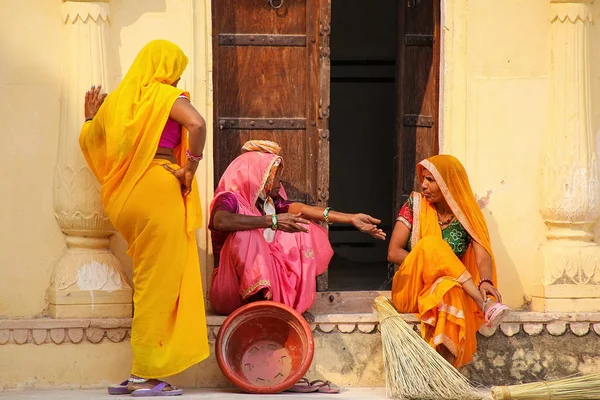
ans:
x=204 y=394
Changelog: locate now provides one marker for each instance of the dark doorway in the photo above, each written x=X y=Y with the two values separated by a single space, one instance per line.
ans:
x=363 y=136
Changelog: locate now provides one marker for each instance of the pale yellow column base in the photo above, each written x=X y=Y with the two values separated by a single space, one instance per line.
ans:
x=566 y=298
x=90 y=304
x=88 y=282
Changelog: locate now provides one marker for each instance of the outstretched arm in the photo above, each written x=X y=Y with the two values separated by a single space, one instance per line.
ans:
x=225 y=221
x=363 y=222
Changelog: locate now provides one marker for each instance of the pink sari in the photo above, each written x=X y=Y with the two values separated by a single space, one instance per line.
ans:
x=285 y=269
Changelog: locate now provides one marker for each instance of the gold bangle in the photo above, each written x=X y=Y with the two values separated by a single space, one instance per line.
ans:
x=326 y=215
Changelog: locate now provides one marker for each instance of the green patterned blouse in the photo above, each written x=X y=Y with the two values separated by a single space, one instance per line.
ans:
x=456 y=236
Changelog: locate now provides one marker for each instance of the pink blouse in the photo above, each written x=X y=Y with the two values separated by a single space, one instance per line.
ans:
x=171 y=134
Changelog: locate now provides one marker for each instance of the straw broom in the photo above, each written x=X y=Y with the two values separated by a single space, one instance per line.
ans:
x=580 y=388
x=414 y=370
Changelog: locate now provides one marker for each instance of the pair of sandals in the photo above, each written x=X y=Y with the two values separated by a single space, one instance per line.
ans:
x=320 y=386
x=494 y=314
x=302 y=386
x=157 y=391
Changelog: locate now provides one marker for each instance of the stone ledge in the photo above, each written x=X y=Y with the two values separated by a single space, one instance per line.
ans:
x=47 y=330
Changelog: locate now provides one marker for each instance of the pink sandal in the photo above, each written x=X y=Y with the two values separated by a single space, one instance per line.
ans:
x=494 y=314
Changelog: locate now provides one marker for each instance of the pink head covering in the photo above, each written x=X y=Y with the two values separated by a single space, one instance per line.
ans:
x=246 y=177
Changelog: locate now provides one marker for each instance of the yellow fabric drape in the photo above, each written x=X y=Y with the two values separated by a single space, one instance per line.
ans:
x=121 y=140
x=429 y=280
x=144 y=202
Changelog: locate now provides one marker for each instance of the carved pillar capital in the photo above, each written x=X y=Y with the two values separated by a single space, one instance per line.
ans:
x=571 y=1
x=571 y=11
x=84 y=11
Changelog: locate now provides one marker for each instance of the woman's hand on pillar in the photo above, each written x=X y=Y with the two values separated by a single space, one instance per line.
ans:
x=93 y=101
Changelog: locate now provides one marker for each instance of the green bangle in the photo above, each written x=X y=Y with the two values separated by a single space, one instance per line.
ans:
x=274 y=222
x=326 y=215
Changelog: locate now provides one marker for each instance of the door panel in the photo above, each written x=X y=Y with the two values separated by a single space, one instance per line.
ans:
x=267 y=82
x=271 y=81
x=418 y=90
x=257 y=16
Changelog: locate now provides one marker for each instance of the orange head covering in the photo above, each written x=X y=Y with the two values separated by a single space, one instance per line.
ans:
x=453 y=181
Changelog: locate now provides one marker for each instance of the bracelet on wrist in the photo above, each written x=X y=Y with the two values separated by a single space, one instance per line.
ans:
x=326 y=215
x=274 y=222
x=482 y=281
x=193 y=158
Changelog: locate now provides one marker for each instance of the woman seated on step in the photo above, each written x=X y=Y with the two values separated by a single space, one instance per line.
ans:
x=442 y=245
x=266 y=247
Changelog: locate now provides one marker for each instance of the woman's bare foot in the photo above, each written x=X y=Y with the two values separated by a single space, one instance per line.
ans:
x=147 y=384
x=308 y=316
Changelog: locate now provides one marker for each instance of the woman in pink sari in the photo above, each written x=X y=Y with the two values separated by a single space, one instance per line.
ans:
x=266 y=247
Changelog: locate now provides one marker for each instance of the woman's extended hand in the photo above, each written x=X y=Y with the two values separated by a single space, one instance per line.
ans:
x=487 y=289
x=291 y=223
x=367 y=224
x=93 y=101
x=185 y=176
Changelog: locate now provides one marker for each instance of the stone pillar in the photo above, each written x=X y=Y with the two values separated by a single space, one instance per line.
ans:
x=570 y=206
x=87 y=280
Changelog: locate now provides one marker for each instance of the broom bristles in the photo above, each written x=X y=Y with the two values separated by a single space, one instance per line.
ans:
x=580 y=387
x=414 y=370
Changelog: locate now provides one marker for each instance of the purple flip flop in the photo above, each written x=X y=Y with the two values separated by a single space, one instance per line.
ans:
x=119 y=389
x=157 y=391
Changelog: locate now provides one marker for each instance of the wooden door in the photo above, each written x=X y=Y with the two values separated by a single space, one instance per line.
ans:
x=271 y=81
x=418 y=90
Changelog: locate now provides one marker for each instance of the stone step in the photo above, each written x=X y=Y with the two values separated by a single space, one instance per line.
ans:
x=70 y=353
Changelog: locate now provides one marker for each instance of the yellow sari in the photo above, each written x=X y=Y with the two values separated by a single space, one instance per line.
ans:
x=429 y=280
x=144 y=202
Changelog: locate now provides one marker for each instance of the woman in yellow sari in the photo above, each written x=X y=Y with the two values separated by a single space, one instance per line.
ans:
x=442 y=245
x=143 y=143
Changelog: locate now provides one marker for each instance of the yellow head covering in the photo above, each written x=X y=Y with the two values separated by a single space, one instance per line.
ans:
x=121 y=141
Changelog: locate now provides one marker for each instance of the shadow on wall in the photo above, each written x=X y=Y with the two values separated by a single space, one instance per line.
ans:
x=124 y=14
x=508 y=275
x=30 y=87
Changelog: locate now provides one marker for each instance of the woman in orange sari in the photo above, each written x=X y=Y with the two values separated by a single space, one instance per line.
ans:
x=442 y=245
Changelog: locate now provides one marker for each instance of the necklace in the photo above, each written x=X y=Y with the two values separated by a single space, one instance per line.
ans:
x=445 y=222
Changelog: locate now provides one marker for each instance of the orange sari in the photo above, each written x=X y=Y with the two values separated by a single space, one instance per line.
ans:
x=429 y=280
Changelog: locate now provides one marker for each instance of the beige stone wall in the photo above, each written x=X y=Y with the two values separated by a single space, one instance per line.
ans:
x=495 y=86
x=30 y=78
x=494 y=106
x=30 y=93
